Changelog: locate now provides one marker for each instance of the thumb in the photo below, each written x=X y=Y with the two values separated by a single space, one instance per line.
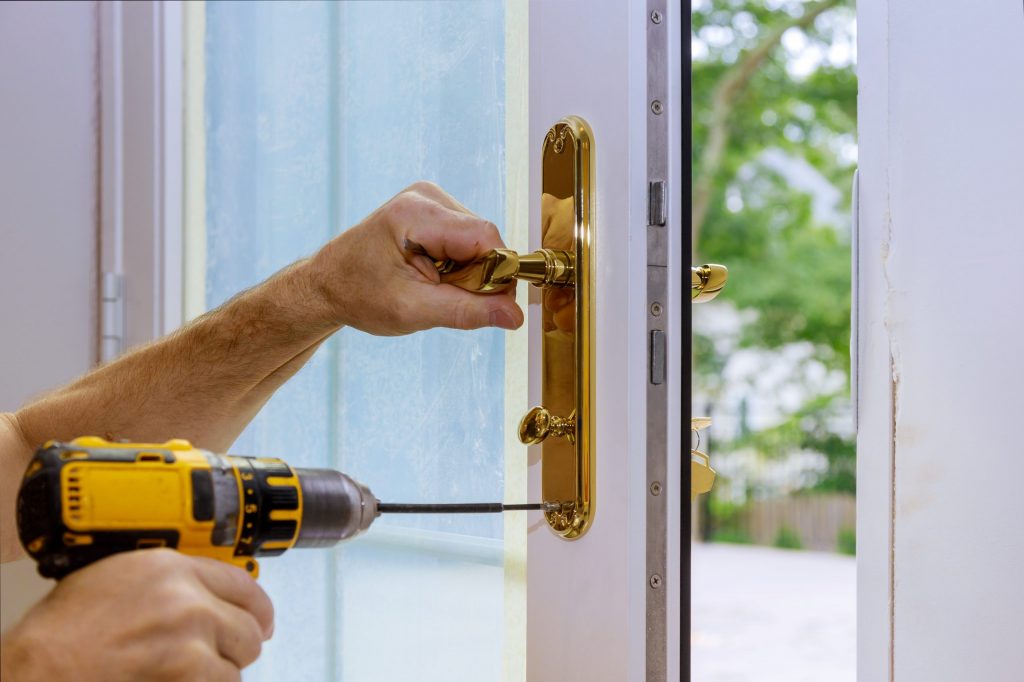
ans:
x=459 y=309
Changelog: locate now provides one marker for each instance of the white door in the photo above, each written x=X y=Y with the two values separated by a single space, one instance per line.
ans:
x=299 y=119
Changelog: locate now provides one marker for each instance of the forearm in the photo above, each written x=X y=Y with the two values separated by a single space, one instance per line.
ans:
x=203 y=383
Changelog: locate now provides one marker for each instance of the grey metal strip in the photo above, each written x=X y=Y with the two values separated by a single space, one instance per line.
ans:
x=657 y=325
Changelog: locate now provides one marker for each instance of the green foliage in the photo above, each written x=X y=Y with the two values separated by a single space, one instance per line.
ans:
x=788 y=269
x=810 y=428
x=787 y=538
x=846 y=543
x=726 y=521
x=735 y=536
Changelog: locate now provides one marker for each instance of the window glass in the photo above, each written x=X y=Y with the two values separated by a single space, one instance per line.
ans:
x=314 y=115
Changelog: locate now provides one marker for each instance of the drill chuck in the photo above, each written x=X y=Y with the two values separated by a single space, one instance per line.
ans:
x=335 y=507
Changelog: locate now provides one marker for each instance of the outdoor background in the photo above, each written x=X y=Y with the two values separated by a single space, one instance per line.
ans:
x=774 y=110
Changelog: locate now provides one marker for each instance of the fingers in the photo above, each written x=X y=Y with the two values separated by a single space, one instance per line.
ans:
x=433 y=191
x=239 y=636
x=443 y=232
x=222 y=670
x=234 y=586
x=452 y=307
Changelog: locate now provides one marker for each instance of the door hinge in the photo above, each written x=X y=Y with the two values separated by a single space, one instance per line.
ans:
x=112 y=306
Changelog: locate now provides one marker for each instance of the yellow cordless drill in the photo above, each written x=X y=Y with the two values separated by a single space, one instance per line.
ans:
x=85 y=500
x=90 y=498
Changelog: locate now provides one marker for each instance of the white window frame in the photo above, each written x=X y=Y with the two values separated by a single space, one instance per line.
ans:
x=140 y=172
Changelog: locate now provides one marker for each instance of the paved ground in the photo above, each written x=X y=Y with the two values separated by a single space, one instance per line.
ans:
x=762 y=614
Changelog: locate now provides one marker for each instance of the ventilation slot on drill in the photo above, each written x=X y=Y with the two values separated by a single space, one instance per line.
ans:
x=74 y=498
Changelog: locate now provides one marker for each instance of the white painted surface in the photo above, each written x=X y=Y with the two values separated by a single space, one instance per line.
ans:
x=585 y=599
x=48 y=217
x=942 y=172
x=874 y=404
x=140 y=78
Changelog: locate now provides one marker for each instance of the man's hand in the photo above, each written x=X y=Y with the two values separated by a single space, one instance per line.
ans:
x=143 y=616
x=373 y=282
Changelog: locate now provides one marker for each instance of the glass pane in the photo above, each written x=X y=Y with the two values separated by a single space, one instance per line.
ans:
x=315 y=114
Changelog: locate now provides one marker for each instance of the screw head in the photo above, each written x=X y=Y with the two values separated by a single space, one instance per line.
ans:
x=655 y=488
x=656 y=309
x=656 y=17
x=657 y=107
x=655 y=581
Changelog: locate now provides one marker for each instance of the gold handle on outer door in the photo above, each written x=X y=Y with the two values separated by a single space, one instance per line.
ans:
x=706 y=281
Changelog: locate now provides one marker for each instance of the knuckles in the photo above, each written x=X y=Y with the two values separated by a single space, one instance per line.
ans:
x=184 y=661
x=425 y=187
x=188 y=610
x=403 y=207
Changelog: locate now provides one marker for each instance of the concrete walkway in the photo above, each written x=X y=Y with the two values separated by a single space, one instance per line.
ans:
x=762 y=614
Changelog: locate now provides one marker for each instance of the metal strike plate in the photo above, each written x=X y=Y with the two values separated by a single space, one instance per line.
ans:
x=567 y=346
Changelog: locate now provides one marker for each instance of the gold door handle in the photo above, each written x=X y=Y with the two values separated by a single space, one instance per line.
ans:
x=706 y=281
x=564 y=268
x=498 y=268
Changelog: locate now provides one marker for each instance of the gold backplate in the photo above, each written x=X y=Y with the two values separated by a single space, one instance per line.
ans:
x=567 y=213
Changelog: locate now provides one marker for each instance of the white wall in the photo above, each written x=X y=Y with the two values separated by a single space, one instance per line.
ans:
x=941 y=459
x=48 y=216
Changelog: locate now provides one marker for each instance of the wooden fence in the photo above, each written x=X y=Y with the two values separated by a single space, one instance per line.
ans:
x=816 y=520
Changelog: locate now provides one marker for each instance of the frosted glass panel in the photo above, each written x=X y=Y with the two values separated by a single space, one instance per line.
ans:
x=315 y=114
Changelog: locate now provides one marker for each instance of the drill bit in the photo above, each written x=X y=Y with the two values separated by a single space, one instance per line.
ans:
x=464 y=508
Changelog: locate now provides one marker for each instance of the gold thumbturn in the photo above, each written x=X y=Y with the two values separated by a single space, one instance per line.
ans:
x=538 y=424
x=702 y=476
x=499 y=268
x=706 y=281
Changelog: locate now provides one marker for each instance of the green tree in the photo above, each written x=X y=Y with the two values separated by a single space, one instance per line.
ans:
x=789 y=268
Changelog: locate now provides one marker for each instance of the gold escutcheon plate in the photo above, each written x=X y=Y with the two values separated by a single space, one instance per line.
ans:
x=567 y=223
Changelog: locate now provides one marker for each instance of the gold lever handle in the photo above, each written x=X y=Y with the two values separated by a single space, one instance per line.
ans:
x=499 y=268
x=538 y=424
x=706 y=281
